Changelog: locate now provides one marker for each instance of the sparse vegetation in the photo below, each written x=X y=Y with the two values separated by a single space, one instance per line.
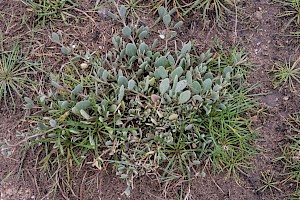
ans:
x=268 y=182
x=15 y=75
x=145 y=109
x=150 y=98
x=287 y=75
x=214 y=10
x=291 y=153
x=292 y=12
x=50 y=10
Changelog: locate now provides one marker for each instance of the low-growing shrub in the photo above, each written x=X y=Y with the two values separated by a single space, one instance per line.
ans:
x=148 y=110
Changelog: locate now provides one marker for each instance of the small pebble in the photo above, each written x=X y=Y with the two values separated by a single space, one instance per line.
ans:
x=258 y=15
x=10 y=191
x=103 y=14
x=162 y=36
x=285 y=98
x=84 y=66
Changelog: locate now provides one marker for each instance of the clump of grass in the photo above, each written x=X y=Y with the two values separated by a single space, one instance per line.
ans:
x=268 y=182
x=51 y=10
x=133 y=6
x=291 y=154
x=292 y=12
x=147 y=110
x=287 y=75
x=14 y=76
x=214 y=10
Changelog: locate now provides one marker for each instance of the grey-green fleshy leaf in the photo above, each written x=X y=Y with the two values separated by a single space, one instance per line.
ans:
x=222 y=106
x=143 y=47
x=208 y=75
x=122 y=80
x=227 y=70
x=160 y=72
x=131 y=84
x=196 y=162
x=167 y=20
x=175 y=81
x=178 y=71
x=168 y=98
x=28 y=100
x=196 y=87
x=207 y=84
x=178 y=24
x=154 y=44
x=171 y=60
x=55 y=37
x=113 y=108
x=104 y=75
x=172 y=11
x=83 y=105
x=123 y=11
x=197 y=98
x=143 y=34
x=120 y=72
x=217 y=88
x=126 y=31
x=121 y=94
x=127 y=191
x=189 y=77
x=172 y=34
x=63 y=104
x=78 y=89
x=184 y=97
x=42 y=126
x=188 y=127
x=28 y=106
x=92 y=141
x=66 y=50
x=143 y=65
x=182 y=63
x=146 y=84
x=207 y=109
x=186 y=48
x=116 y=40
x=164 y=86
x=131 y=49
x=202 y=68
x=161 y=11
x=43 y=98
x=215 y=95
x=111 y=15
x=56 y=85
x=181 y=85
x=84 y=114
x=162 y=61
x=52 y=123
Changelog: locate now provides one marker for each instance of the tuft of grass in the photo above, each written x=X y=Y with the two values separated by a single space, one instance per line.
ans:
x=49 y=11
x=14 y=76
x=214 y=10
x=286 y=75
x=232 y=135
x=268 y=182
x=292 y=12
x=133 y=6
x=291 y=154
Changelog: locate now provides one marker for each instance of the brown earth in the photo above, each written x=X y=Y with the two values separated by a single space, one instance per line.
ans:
x=259 y=33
